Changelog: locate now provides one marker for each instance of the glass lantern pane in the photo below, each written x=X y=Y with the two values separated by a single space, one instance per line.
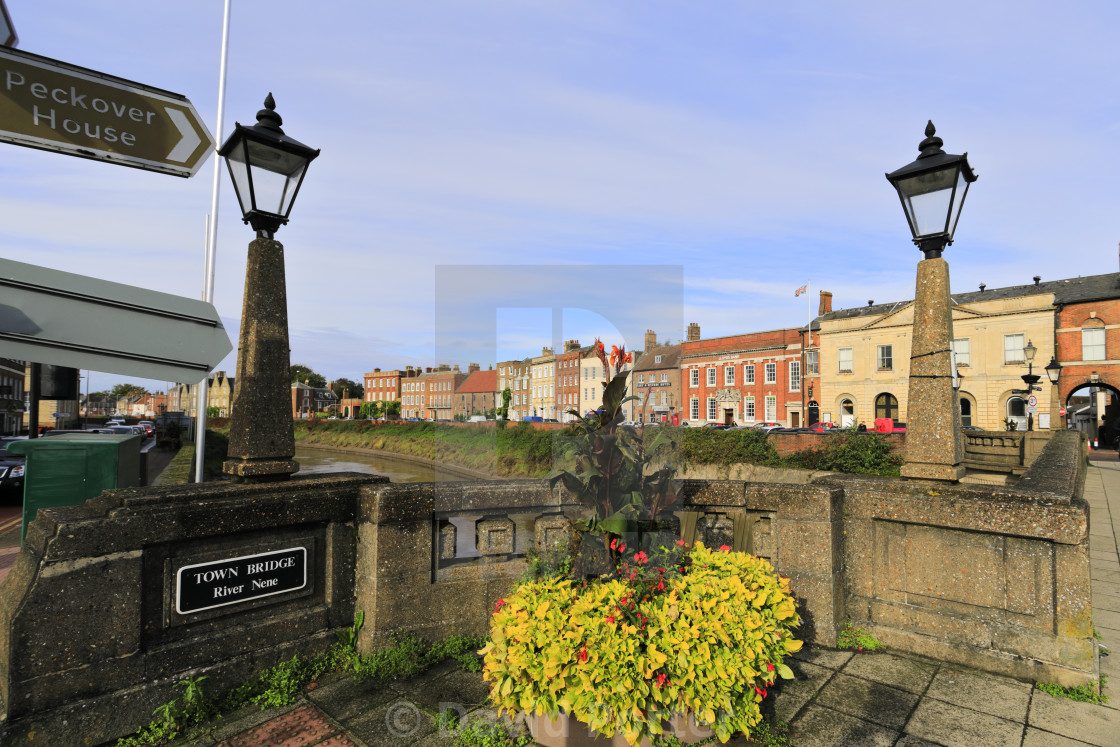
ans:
x=958 y=201
x=290 y=190
x=239 y=173
x=926 y=197
x=275 y=176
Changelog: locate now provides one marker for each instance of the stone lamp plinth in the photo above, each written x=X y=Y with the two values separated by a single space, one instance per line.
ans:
x=262 y=443
x=934 y=444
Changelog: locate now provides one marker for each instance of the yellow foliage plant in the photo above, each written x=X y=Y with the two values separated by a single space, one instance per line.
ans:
x=708 y=644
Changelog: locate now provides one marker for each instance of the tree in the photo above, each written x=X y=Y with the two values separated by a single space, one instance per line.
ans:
x=213 y=411
x=300 y=372
x=124 y=391
x=393 y=410
x=344 y=386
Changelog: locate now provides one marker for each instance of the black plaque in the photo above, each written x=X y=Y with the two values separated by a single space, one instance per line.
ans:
x=205 y=586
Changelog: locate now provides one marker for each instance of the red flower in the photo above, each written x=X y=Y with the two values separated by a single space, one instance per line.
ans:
x=501 y=603
x=583 y=654
x=661 y=586
x=641 y=558
x=610 y=619
x=769 y=667
x=622 y=547
x=680 y=543
x=660 y=679
x=614 y=543
x=724 y=548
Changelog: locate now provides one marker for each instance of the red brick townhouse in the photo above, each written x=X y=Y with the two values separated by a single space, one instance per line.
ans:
x=742 y=379
x=382 y=386
x=475 y=396
x=1087 y=338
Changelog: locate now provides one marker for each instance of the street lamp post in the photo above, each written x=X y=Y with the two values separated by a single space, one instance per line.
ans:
x=932 y=189
x=267 y=168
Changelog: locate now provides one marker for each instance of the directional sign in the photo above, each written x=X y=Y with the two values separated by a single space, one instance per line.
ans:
x=49 y=316
x=8 y=36
x=56 y=106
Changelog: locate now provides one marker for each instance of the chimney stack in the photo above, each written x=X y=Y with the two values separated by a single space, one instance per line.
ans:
x=472 y=367
x=377 y=370
x=651 y=339
x=571 y=345
x=826 y=303
x=693 y=332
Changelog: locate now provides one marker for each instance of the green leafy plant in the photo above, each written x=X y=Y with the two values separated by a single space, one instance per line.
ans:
x=173 y=717
x=349 y=637
x=709 y=643
x=612 y=469
x=854 y=638
x=1086 y=693
x=480 y=733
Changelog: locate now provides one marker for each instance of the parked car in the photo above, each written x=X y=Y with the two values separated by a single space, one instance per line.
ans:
x=717 y=426
x=11 y=470
x=766 y=425
x=149 y=427
x=824 y=427
x=791 y=430
x=68 y=432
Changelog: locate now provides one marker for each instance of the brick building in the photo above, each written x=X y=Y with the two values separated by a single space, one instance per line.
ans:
x=309 y=401
x=475 y=396
x=810 y=363
x=567 y=379
x=742 y=379
x=382 y=386
x=11 y=396
x=514 y=374
x=1087 y=341
x=442 y=382
x=656 y=381
x=412 y=392
x=542 y=385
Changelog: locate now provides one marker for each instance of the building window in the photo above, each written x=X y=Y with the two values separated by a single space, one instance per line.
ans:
x=694 y=409
x=886 y=406
x=694 y=377
x=811 y=367
x=657 y=358
x=711 y=377
x=966 y=411
x=665 y=377
x=729 y=376
x=771 y=373
x=748 y=408
x=748 y=373
x=771 y=407
x=845 y=358
x=885 y=357
x=641 y=378
x=1092 y=343
x=1017 y=412
x=1012 y=349
x=711 y=407
x=795 y=376
x=962 y=352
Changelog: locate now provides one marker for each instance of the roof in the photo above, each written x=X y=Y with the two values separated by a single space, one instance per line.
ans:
x=1069 y=290
x=479 y=382
x=670 y=357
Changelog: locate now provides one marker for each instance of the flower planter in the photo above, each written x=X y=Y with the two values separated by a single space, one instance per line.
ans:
x=565 y=731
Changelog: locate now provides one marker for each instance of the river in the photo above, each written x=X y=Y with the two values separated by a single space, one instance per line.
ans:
x=312 y=461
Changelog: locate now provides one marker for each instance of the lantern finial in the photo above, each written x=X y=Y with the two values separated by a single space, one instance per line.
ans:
x=931 y=146
x=267 y=117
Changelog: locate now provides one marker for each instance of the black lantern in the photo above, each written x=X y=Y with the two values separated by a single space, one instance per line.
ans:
x=1053 y=370
x=267 y=168
x=932 y=190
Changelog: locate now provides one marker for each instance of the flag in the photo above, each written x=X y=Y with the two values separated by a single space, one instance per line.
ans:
x=802 y=289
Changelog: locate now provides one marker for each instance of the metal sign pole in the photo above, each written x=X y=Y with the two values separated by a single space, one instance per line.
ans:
x=212 y=238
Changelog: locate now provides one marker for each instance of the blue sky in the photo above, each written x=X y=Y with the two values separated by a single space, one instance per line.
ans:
x=739 y=146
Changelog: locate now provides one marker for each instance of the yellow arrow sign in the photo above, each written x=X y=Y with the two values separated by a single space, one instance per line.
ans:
x=56 y=106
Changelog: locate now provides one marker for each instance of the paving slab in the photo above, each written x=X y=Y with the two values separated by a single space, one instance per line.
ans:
x=1105 y=618
x=996 y=696
x=954 y=726
x=459 y=688
x=1085 y=721
x=790 y=696
x=343 y=698
x=397 y=723
x=909 y=740
x=824 y=657
x=870 y=701
x=1038 y=738
x=912 y=675
x=823 y=727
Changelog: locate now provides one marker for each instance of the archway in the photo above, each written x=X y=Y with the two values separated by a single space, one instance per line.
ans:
x=847 y=413
x=814 y=413
x=1093 y=408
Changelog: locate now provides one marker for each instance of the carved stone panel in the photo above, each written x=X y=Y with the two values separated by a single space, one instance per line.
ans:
x=716 y=529
x=762 y=538
x=494 y=536
x=448 y=534
x=553 y=532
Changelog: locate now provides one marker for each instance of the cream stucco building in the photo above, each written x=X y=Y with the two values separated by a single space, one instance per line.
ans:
x=865 y=357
